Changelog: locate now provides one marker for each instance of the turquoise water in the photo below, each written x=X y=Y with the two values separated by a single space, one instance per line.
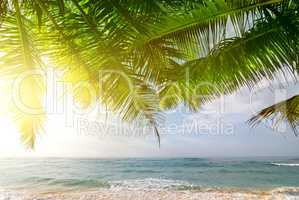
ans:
x=179 y=173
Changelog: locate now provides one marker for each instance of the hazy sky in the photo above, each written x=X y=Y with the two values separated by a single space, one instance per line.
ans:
x=220 y=129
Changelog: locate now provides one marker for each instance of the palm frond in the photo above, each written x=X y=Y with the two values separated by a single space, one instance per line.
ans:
x=3 y=9
x=284 y=111
x=199 y=30
x=131 y=97
x=175 y=39
x=21 y=58
x=245 y=61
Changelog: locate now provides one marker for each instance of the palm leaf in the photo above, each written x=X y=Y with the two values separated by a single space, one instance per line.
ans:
x=128 y=95
x=234 y=63
x=133 y=103
x=287 y=110
x=3 y=9
x=199 y=30
x=21 y=58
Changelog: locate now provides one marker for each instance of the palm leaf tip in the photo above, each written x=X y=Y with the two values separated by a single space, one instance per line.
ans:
x=157 y=133
x=287 y=110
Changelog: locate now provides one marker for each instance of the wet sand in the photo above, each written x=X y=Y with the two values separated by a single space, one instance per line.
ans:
x=208 y=194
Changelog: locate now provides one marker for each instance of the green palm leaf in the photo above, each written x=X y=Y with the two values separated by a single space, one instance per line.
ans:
x=285 y=111
x=199 y=30
x=21 y=58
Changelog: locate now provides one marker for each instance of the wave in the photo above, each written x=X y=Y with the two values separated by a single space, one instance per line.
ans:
x=45 y=181
x=152 y=184
x=286 y=164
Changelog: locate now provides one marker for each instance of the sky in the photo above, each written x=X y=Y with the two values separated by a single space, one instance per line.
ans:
x=219 y=129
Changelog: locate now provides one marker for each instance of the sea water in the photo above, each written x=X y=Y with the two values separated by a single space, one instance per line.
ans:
x=51 y=175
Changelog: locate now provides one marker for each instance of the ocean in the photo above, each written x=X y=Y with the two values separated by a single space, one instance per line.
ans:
x=173 y=178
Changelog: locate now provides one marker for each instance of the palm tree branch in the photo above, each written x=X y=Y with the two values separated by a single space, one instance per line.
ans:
x=279 y=112
x=207 y=19
x=236 y=63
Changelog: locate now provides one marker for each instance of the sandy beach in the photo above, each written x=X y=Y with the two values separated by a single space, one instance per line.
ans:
x=122 y=194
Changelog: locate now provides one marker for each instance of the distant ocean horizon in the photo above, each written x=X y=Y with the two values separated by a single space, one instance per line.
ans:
x=51 y=176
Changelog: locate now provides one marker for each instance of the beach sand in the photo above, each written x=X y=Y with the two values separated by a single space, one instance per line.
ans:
x=212 y=194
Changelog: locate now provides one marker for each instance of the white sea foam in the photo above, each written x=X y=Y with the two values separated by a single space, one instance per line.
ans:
x=149 y=184
x=10 y=195
x=286 y=164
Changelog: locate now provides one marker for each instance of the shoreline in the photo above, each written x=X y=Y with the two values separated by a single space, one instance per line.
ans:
x=139 y=194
